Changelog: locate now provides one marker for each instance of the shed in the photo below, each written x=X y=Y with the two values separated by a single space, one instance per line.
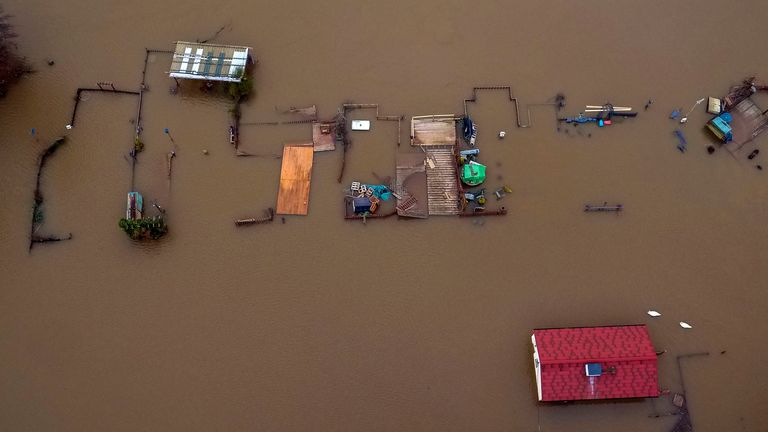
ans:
x=211 y=62
x=590 y=363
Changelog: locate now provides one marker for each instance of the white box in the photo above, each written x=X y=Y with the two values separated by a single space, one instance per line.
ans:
x=363 y=125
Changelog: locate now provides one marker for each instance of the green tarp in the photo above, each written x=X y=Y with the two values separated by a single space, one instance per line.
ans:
x=473 y=173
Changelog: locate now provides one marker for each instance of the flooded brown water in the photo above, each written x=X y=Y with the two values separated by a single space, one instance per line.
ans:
x=320 y=324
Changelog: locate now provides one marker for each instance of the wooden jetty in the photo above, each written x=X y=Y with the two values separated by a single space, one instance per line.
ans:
x=433 y=130
x=295 y=177
x=442 y=181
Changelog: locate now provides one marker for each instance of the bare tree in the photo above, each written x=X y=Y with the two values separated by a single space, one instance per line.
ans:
x=12 y=66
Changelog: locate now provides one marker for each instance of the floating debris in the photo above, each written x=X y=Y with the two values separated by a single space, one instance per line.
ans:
x=603 y=207
x=502 y=192
x=685 y=325
x=653 y=313
x=648 y=104
x=270 y=215
x=685 y=118
x=714 y=106
x=682 y=145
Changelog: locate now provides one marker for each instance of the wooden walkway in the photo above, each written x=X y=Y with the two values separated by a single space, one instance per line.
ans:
x=442 y=181
x=295 y=177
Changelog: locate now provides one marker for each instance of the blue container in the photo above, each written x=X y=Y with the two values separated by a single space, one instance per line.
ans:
x=361 y=205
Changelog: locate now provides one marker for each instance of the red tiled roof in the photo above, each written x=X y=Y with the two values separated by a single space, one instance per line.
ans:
x=625 y=353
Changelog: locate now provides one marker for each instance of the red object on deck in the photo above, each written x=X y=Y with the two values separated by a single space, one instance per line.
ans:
x=625 y=355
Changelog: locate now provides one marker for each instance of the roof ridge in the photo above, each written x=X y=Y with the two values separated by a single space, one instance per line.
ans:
x=599 y=359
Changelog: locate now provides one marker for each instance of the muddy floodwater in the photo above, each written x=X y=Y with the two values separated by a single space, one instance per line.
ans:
x=322 y=324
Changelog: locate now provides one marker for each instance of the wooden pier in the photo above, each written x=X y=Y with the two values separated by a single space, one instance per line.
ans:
x=442 y=181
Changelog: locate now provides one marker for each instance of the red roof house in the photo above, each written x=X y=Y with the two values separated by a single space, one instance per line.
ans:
x=588 y=363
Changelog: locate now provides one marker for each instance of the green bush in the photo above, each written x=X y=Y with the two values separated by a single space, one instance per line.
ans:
x=143 y=229
x=240 y=90
x=138 y=145
x=37 y=213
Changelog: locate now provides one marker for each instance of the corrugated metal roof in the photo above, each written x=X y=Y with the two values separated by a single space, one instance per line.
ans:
x=210 y=62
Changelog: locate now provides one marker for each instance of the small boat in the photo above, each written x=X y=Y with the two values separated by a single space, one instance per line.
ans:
x=654 y=314
x=580 y=119
x=468 y=127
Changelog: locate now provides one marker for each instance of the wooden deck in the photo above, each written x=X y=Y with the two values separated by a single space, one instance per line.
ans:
x=435 y=130
x=324 y=141
x=442 y=181
x=411 y=185
x=295 y=177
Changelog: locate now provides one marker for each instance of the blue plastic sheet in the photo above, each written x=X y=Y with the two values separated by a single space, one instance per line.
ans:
x=380 y=191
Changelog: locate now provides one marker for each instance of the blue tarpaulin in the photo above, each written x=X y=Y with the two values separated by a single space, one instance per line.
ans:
x=380 y=191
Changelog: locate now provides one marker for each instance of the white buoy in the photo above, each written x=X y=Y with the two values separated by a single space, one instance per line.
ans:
x=685 y=325
x=653 y=313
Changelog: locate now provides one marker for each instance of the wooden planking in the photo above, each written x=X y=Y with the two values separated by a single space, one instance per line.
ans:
x=748 y=122
x=442 y=182
x=321 y=141
x=437 y=130
x=295 y=177
x=411 y=185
